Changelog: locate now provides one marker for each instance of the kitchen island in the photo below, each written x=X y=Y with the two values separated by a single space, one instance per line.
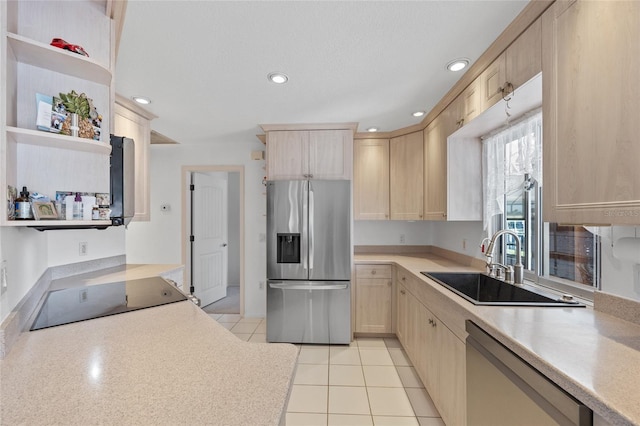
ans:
x=591 y=355
x=169 y=364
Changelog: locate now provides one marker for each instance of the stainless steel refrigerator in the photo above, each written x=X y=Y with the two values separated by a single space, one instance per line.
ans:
x=309 y=261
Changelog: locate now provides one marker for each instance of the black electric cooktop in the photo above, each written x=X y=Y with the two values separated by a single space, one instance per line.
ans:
x=83 y=303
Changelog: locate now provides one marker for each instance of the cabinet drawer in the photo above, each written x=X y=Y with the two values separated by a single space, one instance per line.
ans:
x=373 y=271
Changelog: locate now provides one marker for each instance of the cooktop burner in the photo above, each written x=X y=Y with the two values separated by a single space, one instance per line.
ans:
x=95 y=301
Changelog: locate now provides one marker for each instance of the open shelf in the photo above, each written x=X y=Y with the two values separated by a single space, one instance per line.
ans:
x=59 y=60
x=43 y=225
x=54 y=140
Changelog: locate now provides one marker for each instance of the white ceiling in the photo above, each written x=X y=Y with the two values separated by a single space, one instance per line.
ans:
x=204 y=64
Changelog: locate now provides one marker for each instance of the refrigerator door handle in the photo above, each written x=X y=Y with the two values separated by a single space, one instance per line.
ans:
x=305 y=222
x=311 y=227
x=308 y=287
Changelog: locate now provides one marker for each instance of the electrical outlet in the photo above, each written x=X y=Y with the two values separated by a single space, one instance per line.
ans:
x=402 y=239
x=83 y=248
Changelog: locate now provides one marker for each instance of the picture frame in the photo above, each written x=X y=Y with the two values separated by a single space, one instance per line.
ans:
x=44 y=210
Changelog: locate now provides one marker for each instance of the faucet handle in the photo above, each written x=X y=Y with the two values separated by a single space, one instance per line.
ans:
x=482 y=244
x=508 y=274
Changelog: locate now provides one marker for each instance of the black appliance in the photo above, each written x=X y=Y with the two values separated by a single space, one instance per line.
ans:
x=88 y=302
x=122 y=180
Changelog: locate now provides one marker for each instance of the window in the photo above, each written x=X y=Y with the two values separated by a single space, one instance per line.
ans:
x=559 y=256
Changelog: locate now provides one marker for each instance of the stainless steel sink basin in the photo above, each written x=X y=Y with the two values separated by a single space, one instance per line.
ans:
x=481 y=289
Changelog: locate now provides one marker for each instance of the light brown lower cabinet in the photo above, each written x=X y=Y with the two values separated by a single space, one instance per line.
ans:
x=437 y=354
x=374 y=295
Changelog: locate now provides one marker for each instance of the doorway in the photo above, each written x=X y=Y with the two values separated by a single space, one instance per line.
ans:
x=213 y=236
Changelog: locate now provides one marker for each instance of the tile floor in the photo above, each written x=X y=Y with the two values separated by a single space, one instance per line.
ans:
x=370 y=382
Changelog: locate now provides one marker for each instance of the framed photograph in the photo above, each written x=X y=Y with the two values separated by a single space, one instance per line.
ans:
x=44 y=210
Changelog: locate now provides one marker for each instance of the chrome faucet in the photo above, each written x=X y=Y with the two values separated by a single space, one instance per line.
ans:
x=518 y=268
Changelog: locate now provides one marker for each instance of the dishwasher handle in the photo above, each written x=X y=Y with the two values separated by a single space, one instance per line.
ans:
x=285 y=286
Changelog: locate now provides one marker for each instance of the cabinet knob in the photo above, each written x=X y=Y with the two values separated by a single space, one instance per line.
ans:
x=402 y=292
x=373 y=272
x=404 y=278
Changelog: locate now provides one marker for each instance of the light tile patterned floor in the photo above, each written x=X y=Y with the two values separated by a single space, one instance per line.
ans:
x=370 y=382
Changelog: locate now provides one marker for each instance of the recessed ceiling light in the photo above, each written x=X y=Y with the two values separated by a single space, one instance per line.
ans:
x=418 y=114
x=372 y=129
x=457 y=64
x=142 y=100
x=278 y=77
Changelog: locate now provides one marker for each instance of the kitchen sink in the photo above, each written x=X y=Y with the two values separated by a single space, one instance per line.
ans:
x=481 y=289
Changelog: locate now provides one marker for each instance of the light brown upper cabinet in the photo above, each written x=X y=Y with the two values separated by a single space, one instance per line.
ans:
x=516 y=65
x=371 y=179
x=523 y=59
x=591 y=88
x=466 y=107
x=134 y=122
x=406 y=176
x=435 y=175
x=309 y=154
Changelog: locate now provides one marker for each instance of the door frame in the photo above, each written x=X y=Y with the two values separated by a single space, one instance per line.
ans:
x=186 y=220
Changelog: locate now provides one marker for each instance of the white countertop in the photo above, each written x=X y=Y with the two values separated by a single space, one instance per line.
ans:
x=170 y=364
x=593 y=356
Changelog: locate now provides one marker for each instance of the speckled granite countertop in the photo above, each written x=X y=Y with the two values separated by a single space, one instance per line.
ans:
x=166 y=365
x=592 y=355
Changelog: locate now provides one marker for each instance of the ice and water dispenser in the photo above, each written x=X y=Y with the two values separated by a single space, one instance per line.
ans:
x=288 y=248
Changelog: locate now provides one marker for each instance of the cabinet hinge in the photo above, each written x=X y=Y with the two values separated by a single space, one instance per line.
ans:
x=192 y=238
x=192 y=187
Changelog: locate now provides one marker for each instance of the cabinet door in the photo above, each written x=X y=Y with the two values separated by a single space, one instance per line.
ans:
x=287 y=154
x=406 y=176
x=373 y=305
x=492 y=80
x=432 y=354
x=591 y=90
x=330 y=154
x=435 y=161
x=371 y=179
x=402 y=315
x=451 y=366
x=137 y=127
x=471 y=102
x=524 y=56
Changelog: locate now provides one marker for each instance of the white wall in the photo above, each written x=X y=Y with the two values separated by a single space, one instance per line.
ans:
x=158 y=241
x=25 y=252
x=620 y=273
x=388 y=233
x=64 y=246
x=28 y=253
x=461 y=237
x=233 y=223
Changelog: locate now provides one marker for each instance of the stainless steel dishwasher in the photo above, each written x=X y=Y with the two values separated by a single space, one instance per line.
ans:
x=502 y=389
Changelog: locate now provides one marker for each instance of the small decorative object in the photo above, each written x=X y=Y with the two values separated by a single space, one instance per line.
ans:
x=61 y=205
x=60 y=43
x=44 y=210
x=12 y=194
x=79 y=104
x=103 y=199
x=51 y=113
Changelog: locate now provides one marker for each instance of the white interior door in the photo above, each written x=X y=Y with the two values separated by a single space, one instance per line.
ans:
x=209 y=231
